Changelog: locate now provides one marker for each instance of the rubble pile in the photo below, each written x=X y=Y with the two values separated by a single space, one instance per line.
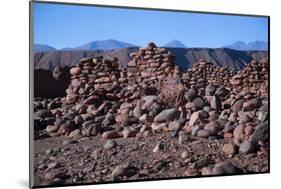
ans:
x=153 y=102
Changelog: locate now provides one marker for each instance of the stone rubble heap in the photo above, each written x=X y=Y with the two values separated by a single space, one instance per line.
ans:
x=206 y=103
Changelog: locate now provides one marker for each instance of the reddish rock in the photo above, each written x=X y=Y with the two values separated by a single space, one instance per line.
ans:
x=191 y=172
x=238 y=131
x=229 y=148
x=213 y=127
x=75 y=71
x=74 y=133
x=238 y=105
x=110 y=134
x=203 y=133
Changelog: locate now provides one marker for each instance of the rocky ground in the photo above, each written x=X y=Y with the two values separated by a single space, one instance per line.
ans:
x=152 y=120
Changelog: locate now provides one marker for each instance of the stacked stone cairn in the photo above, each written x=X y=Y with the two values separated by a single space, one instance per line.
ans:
x=253 y=77
x=89 y=75
x=153 y=68
x=150 y=65
x=203 y=73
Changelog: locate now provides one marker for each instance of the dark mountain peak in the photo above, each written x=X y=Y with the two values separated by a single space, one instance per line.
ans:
x=175 y=44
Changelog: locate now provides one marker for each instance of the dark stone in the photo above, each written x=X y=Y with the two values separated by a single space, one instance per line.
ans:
x=198 y=103
x=261 y=133
x=167 y=115
x=216 y=103
x=224 y=168
x=190 y=95
x=246 y=147
x=210 y=90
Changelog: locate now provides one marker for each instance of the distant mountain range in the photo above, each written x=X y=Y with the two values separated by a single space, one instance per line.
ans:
x=255 y=45
x=112 y=44
x=109 y=44
x=185 y=57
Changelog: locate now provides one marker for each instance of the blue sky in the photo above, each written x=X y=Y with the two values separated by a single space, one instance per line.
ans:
x=62 y=26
